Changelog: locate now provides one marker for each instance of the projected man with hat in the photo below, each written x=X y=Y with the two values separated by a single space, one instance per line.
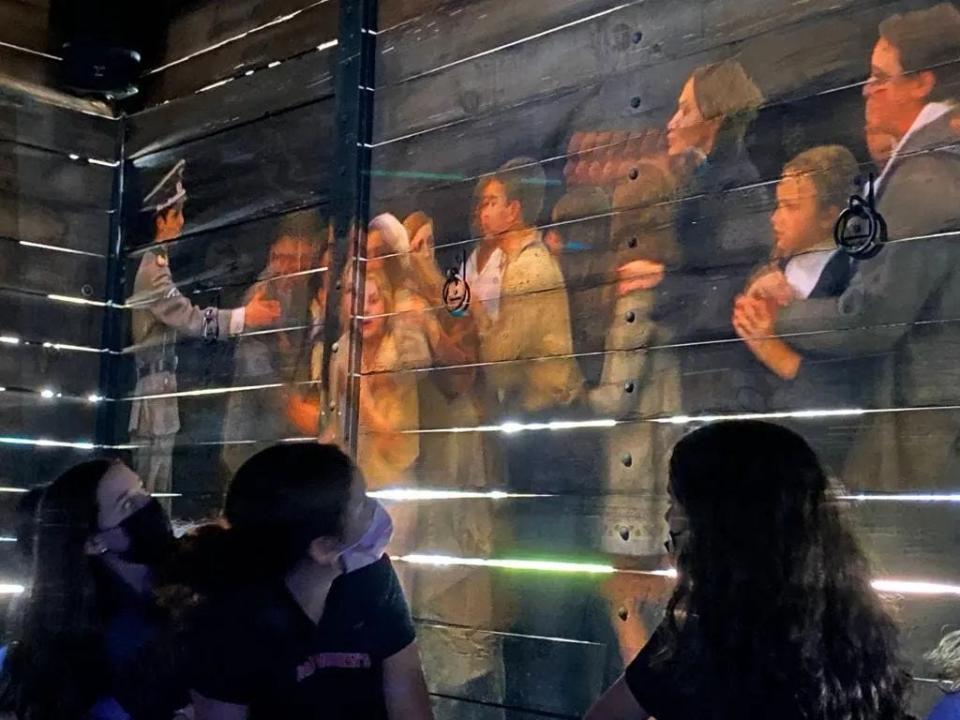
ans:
x=159 y=314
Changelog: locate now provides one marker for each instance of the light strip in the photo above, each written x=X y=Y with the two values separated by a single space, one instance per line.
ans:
x=882 y=585
x=9 y=340
x=914 y=587
x=76 y=300
x=57 y=248
x=47 y=443
x=904 y=498
x=206 y=392
x=11 y=589
x=7 y=539
x=415 y=495
x=536 y=565
x=104 y=163
x=18 y=491
x=795 y=414
x=75 y=348
x=511 y=428
x=327 y=45
x=212 y=86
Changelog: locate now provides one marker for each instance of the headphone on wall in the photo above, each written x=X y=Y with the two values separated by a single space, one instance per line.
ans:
x=860 y=230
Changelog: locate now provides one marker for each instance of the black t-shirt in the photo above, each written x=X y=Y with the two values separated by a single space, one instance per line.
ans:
x=683 y=684
x=257 y=648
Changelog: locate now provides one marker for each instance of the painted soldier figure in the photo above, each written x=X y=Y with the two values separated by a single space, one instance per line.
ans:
x=159 y=315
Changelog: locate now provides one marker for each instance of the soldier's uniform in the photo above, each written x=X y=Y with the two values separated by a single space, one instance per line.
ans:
x=159 y=314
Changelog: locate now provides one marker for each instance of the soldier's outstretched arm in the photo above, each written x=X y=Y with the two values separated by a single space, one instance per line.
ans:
x=171 y=308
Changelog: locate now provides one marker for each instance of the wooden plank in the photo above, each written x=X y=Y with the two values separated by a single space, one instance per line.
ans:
x=301 y=80
x=35 y=367
x=39 y=319
x=52 y=223
x=26 y=24
x=41 y=175
x=902 y=538
x=314 y=24
x=42 y=270
x=558 y=692
x=275 y=165
x=197 y=26
x=34 y=115
x=28 y=415
x=674 y=37
x=25 y=466
x=418 y=37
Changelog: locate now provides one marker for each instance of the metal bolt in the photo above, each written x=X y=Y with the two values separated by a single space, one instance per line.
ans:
x=632 y=242
x=628 y=387
x=627 y=460
x=335 y=347
x=631 y=316
x=637 y=37
x=635 y=102
x=624 y=533
x=634 y=173
x=623 y=614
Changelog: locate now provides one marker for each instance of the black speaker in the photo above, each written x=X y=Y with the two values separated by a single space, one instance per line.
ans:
x=104 y=42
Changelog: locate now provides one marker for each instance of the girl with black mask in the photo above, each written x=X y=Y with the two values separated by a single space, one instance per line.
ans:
x=91 y=643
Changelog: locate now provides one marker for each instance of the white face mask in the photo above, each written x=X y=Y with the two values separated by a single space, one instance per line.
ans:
x=372 y=544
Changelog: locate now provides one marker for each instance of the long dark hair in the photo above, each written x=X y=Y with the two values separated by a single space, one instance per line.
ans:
x=773 y=585
x=57 y=666
x=280 y=500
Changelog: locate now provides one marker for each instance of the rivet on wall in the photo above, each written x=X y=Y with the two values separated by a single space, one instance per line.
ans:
x=631 y=316
x=634 y=173
x=628 y=387
x=624 y=533
x=627 y=460
x=635 y=102
x=637 y=37
x=632 y=242
x=623 y=614
x=335 y=347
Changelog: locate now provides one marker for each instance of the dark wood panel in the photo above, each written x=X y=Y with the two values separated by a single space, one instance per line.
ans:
x=417 y=37
x=52 y=223
x=25 y=466
x=34 y=367
x=39 y=319
x=315 y=24
x=28 y=415
x=33 y=115
x=277 y=164
x=40 y=175
x=675 y=41
x=248 y=98
x=25 y=24
x=42 y=270
x=197 y=26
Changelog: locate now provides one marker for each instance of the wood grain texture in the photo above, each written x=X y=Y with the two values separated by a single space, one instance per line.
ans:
x=272 y=166
x=314 y=24
x=39 y=319
x=26 y=23
x=301 y=80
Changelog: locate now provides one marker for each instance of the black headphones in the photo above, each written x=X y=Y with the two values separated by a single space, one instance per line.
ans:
x=861 y=230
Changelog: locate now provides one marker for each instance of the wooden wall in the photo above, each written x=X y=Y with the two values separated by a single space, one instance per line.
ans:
x=584 y=88
x=58 y=162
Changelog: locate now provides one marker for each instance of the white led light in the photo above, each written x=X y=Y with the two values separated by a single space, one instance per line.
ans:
x=16 y=491
x=75 y=300
x=74 y=156
x=47 y=393
x=9 y=340
x=275 y=63
x=93 y=398
x=6 y=539
x=795 y=414
x=903 y=498
x=41 y=442
x=537 y=565
x=11 y=589
x=914 y=587
x=418 y=495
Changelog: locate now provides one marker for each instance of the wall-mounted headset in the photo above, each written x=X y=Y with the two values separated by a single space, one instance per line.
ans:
x=861 y=230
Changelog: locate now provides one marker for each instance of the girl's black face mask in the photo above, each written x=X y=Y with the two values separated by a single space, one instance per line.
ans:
x=150 y=535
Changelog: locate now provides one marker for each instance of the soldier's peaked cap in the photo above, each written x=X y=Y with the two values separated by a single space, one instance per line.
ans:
x=168 y=192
